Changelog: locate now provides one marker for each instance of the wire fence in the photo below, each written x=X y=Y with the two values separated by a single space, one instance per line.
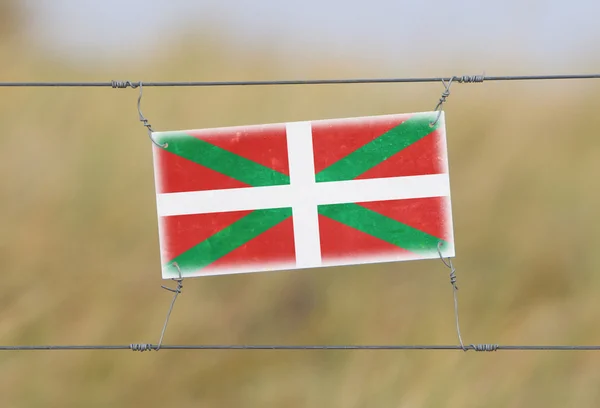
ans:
x=447 y=81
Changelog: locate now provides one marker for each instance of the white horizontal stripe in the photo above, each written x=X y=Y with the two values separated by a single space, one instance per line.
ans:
x=335 y=192
x=235 y=199
x=393 y=188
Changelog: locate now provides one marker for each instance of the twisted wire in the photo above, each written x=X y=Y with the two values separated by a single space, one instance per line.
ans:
x=141 y=347
x=145 y=123
x=470 y=79
x=454 y=292
x=125 y=84
x=176 y=292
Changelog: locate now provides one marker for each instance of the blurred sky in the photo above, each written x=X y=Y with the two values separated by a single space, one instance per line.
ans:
x=554 y=34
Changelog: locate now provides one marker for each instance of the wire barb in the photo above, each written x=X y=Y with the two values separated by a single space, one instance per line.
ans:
x=176 y=292
x=454 y=292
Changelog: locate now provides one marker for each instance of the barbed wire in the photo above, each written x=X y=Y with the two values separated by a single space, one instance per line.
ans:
x=459 y=79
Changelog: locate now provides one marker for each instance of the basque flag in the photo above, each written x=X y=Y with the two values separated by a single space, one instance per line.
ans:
x=303 y=194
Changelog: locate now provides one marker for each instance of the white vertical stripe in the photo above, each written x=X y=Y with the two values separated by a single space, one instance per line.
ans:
x=302 y=194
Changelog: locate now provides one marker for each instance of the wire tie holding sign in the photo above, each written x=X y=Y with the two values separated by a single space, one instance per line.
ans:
x=475 y=347
x=454 y=290
x=176 y=292
x=445 y=95
x=147 y=347
x=133 y=85
x=144 y=346
x=465 y=79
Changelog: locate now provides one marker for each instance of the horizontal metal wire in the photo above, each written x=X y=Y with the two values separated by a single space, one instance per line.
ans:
x=152 y=347
x=460 y=79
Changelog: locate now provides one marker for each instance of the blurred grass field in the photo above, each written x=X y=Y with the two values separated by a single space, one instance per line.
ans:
x=79 y=247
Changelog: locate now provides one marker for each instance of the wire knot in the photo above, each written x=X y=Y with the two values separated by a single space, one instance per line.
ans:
x=469 y=79
x=453 y=278
x=178 y=289
x=450 y=266
x=124 y=84
x=444 y=96
x=484 y=347
x=141 y=347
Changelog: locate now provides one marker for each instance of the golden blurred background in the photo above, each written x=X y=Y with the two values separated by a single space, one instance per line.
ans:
x=79 y=245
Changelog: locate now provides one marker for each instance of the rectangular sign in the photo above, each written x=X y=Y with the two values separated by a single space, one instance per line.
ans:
x=303 y=194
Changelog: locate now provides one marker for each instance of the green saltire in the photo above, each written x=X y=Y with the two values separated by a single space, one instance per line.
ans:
x=220 y=160
x=380 y=149
x=228 y=239
x=382 y=227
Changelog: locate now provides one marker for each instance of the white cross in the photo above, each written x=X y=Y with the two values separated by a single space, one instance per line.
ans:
x=303 y=195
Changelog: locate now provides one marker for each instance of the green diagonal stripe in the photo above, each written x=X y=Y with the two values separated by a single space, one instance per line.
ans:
x=220 y=160
x=228 y=239
x=380 y=149
x=382 y=227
